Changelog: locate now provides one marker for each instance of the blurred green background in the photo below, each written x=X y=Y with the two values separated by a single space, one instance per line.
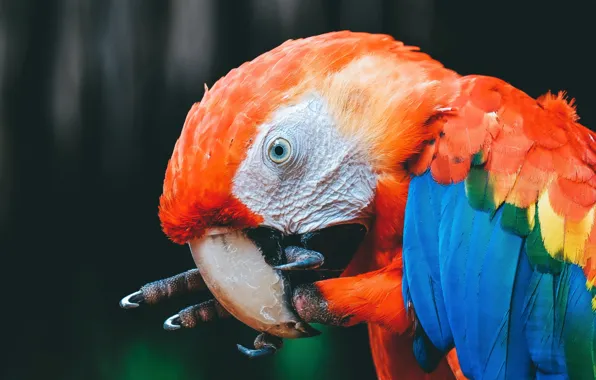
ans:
x=93 y=95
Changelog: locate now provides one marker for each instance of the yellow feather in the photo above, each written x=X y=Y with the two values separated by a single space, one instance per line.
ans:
x=576 y=235
x=552 y=226
x=564 y=236
x=531 y=214
x=502 y=185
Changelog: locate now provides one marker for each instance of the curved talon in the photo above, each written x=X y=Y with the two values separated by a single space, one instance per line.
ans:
x=301 y=259
x=257 y=353
x=160 y=290
x=172 y=323
x=265 y=345
x=192 y=316
x=132 y=300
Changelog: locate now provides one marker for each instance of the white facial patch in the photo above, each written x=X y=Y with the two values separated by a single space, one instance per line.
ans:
x=325 y=181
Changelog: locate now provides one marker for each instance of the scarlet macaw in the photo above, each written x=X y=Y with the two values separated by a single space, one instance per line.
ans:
x=455 y=207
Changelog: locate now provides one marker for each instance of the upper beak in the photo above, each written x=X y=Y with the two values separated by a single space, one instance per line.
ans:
x=251 y=272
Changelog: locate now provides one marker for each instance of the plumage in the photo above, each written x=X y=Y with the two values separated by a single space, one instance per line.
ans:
x=514 y=235
x=542 y=326
x=507 y=318
x=574 y=308
x=537 y=252
x=480 y=267
x=426 y=353
x=531 y=162
x=423 y=278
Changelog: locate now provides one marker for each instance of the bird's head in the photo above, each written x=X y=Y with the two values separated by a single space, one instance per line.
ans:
x=294 y=162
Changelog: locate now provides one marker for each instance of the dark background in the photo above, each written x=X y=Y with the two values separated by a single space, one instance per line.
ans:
x=93 y=95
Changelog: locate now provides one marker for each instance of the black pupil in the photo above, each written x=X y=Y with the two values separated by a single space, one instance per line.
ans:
x=279 y=150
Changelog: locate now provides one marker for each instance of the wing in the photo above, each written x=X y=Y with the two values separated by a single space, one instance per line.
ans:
x=500 y=218
x=529 y=157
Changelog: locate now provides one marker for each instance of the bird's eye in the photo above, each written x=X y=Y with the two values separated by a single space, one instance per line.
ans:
x=280 y=150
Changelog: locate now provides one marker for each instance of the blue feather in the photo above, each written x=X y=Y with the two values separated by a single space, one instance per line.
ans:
x=466 y=273
x=543 y=376
x=482 y=277
x=426 y=354
x=518 y=356
x=503 y=285
x=422 y=282
x=405 y=288
x=542 y=330
x=454 y=234
x=475 y=248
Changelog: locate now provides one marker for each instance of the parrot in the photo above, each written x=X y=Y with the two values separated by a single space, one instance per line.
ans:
x=349 y=178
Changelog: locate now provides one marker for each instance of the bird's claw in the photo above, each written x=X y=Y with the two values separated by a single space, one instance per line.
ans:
x=265 y=345
x=157 y=291
x=172 y=323
x=299 y=258
x=132 y=300
x=256 y=353
x=193 y=315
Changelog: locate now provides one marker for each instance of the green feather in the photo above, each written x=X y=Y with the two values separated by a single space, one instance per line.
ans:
x=537 y=253
x=479 y=191
x=479 y=158
x=516 y=220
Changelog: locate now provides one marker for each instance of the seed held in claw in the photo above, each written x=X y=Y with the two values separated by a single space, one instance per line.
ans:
x=236 y=273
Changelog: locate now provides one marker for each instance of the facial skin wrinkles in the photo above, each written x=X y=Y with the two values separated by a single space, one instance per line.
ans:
x=325 y=182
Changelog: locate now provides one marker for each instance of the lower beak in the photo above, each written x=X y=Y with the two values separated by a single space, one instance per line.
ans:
x=237 y=275
x=250 y=272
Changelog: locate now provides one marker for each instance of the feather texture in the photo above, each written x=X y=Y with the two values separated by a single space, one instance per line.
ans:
x=532 y=158
x=531 y=186
x=509 y=319
x=542 y=326
x=423 y=277
x=218 y=131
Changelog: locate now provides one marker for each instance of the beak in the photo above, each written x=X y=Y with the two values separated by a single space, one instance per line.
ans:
x=252 y=272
